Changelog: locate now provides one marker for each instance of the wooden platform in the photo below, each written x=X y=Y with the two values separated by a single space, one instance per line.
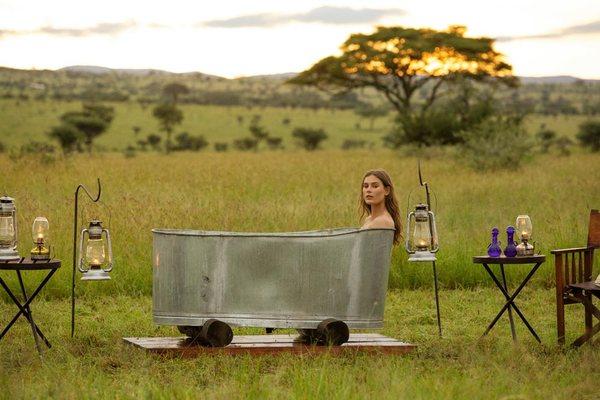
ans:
x=371 y=343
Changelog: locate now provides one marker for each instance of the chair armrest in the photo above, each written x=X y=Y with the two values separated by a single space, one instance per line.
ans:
x=571 y=250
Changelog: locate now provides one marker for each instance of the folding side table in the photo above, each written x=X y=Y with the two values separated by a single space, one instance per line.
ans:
x=510 y=305
x=20 y=266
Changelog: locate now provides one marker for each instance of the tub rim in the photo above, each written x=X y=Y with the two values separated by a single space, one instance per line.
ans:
x=299 y=234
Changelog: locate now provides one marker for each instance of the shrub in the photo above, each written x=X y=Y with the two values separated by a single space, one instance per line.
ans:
x=154 y=141
x=353 y=144
x=309 y=138
x=258 y=132
x=220 y=146
x=142 y=145
x=44 y=150
x=563 y=145
x=68 y=136
x=245 y=144
x=496 y=143
x=589 y=135
x=274 y=143
x=129 y=151
x=546 y=138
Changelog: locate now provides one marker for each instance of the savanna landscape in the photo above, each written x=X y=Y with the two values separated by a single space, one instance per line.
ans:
x=278 y=153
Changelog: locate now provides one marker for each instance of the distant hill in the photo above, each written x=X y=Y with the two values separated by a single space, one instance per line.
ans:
x=94 y=69
x=553 y=79
x=97 y=70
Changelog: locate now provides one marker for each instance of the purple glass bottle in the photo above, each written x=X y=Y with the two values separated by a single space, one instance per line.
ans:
x=511 y=249
x=494 y=249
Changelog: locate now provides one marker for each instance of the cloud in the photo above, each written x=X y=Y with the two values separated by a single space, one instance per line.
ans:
x=106 y=28
x=326 y=15
x=585 y=29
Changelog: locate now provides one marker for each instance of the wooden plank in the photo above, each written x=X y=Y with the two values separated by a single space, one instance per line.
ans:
x=271 y=344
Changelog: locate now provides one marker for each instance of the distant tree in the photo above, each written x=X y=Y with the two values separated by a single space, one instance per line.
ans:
x=153 y=140
x=309 y=138
x=174 y=90
x=185 y=141
x=168 y=116
x=105 y=113
x=589 y=135
x=91 y=126
x=371 y=112
x=258 y=132
x=92 y=121
x=68 y=137
x=398 y=62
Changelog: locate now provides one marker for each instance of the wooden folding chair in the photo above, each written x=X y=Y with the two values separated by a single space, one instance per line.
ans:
x=574 y=283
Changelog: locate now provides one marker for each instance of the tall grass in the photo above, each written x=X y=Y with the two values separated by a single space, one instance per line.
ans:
x=297 y=190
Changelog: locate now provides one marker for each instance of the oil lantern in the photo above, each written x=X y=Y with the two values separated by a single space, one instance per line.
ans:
x=39 y=234
x=524 y=230
x=96 y=261
x=421 y=239
x=8 y=229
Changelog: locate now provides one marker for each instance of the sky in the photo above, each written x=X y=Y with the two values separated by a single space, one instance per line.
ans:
x=241 y=38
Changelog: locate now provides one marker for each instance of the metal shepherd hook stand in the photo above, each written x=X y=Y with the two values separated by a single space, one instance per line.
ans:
x=435 y=278
x=424 y=241
x=95 y=200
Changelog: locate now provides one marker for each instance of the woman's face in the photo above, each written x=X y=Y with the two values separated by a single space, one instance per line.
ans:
x=373 y=190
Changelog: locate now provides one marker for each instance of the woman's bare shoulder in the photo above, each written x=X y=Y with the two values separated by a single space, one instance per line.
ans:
x=382 y=221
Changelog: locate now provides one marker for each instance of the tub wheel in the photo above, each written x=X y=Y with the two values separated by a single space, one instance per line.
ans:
x=331 y=332
x=213 y=333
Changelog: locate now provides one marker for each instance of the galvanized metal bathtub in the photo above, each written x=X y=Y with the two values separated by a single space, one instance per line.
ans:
x=279 y=280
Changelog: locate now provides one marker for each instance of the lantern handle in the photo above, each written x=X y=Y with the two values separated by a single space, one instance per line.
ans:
x=110 y=257
x=80 y=186
x=424 y=184
x=80 y=262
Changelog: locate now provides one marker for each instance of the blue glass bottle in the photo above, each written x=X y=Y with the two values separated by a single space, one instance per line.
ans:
x=494 y=249
x=511 y=249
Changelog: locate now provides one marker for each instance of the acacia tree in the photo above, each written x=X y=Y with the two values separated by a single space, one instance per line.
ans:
x=398 y=62
x=168 y=116
x=174 y=90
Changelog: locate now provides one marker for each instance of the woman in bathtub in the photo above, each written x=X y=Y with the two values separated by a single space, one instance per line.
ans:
x=378 y=202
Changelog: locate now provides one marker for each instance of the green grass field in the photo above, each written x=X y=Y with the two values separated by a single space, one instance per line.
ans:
x=23 y=121
x=96 y=364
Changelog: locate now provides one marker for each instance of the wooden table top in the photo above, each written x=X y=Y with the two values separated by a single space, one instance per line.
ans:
x=537 y=258
x=29 y=264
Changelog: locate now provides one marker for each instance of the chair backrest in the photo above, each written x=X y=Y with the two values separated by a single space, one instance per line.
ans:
x=594 y=229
